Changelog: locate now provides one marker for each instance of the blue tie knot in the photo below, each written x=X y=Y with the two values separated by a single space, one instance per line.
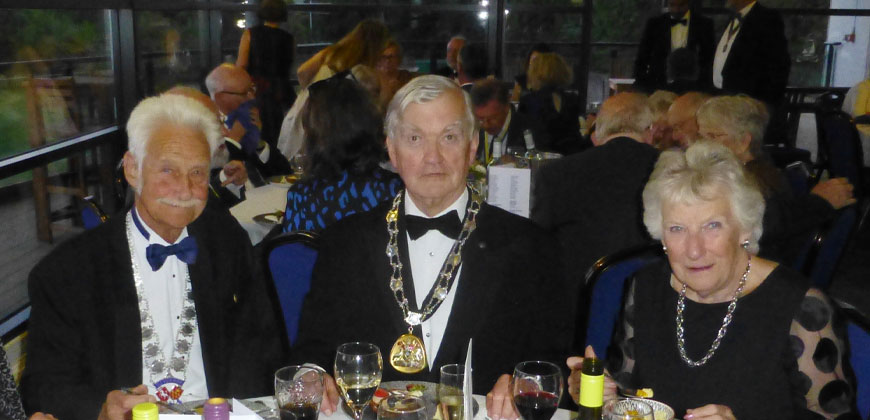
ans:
x=184 y=251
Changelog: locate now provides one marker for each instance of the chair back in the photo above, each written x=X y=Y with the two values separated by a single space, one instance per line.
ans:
x=290 y=261
x=840 y=150
x=91 y=214
x=604 y=291
x=831 y=241
x=858 y=333
x=799 y=177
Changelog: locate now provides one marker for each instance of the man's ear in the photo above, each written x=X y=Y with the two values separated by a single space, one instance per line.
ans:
x=131 y=170
x=391 y=151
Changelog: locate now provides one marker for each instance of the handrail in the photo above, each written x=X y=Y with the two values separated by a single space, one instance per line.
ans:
x=40 y=156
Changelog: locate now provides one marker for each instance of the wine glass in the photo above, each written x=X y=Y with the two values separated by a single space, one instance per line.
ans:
x=402 y=407
x=298 y=392
x=536 y=387
x=358 y=368
x=627 y=410
x=450 y=395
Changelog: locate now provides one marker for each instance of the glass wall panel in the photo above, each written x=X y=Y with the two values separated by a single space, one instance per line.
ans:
x=778 y=4
x=56 y=78
x=524 y=29
x=172 y=49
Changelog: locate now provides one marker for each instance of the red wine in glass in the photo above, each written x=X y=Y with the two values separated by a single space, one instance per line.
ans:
x=536 y=405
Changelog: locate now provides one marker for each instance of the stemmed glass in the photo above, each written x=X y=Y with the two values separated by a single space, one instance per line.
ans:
x=536 y=387
x=402 y=407
x=358 y=368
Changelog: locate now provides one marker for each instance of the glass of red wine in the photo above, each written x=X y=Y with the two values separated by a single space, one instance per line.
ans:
x=298 y=392
x=536 y=387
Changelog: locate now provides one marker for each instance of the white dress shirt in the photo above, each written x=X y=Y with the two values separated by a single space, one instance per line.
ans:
x=164 y=291
x=427 y=255
x=724 y=47
x=680 y=34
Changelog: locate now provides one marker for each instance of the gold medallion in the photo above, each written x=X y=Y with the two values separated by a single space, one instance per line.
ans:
x=408 y=354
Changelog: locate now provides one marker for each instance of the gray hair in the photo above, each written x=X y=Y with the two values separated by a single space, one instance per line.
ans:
x=170 y=108
x=704 y=170
x=624 y=113
x=421 y=90
x=737 y=115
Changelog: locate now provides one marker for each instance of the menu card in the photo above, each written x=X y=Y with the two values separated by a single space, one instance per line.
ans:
x=238 y=412
x=509 y=188
x=467 y=396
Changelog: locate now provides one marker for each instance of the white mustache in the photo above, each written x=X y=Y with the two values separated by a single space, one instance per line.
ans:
x=193 y=202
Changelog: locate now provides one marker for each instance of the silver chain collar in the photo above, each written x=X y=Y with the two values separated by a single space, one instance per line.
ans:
x=681 y=306
x=446 y=276
x=153 y=357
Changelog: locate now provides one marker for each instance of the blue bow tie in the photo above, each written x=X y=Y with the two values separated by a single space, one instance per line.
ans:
x=184 y=250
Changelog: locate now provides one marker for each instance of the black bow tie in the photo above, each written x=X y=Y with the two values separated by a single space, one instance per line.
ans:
x=449 y=225
x=682 y=21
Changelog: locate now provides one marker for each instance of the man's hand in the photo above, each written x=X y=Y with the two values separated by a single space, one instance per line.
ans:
x=837 y=191
x=236 y=132
x=710 y=412
x=235 y=172
x=330 y=395
x=499 y=403
x=576 y=365
x=118 y=403
x=41 y=416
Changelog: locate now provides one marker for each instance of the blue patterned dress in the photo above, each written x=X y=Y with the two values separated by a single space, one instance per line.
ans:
x=315 y=204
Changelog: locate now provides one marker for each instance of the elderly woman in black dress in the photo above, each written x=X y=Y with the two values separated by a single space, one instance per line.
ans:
x=715 y=331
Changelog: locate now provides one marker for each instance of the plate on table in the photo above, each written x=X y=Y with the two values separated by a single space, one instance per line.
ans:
x=283 y=180
x=428 y=391
x=270 y=219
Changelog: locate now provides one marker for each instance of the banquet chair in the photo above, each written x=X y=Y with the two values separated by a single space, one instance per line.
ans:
x=289 y=259
x=91 y=214
x=840 y=150
x=858 y=332
x=603 y=293
x=830 y=243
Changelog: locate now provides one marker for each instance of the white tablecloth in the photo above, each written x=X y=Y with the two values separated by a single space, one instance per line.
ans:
x=340 y=414
x=266 y=199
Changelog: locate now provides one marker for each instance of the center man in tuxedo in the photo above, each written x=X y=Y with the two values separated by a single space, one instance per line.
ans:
x=437 y=263
x=678 y=28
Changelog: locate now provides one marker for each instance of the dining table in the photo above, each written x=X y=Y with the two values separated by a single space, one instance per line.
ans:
x=268 y=198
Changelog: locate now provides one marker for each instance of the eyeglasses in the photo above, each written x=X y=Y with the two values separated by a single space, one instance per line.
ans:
x=251 y=90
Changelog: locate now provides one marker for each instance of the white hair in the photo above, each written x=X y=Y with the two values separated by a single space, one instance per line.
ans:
x=737 y=115
x=703 y=171
x=170 y=108
x=421 y=90
x=624 y=113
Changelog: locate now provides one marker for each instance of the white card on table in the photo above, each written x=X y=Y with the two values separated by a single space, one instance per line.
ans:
x=509 y=188
x=467 y=396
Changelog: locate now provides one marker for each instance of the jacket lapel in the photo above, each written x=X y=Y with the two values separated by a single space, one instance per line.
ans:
x=209 y=311
x=127 y=340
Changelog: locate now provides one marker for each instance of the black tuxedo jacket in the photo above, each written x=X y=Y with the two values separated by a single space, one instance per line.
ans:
x=514 y=139
x=651 y=63
x=758 y=63
x=592 y=201
x=85 y=336
x=511 y=298
x=258 y=171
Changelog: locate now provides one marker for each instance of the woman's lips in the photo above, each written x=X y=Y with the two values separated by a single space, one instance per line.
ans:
x=701 y=268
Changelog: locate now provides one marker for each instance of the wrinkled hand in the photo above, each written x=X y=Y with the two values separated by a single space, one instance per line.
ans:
x=575 y=363
x=499 y=403
x=330 y=395
x=235 y=172
x=119 y=403
x=837 y=191
x=710 y=412
x=41 y=416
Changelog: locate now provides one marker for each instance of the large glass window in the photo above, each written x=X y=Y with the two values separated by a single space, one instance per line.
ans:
x=172 y=49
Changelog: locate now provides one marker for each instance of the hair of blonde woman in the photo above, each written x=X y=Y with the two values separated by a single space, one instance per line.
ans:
x=704 y=172
x=627 y=112
x=169 y=108
x=737 y=115
x=362 y=45
x=367 y=77
x=421 y=90
x=660 y=101
x=549 y=70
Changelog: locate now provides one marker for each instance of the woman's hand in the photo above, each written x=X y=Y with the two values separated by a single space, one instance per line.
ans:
x=710 y=412
x=576 y=365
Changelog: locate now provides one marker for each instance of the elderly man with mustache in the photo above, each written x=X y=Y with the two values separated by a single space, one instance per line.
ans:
x=160 y=303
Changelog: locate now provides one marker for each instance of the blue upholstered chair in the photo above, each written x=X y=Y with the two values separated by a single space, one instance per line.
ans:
x=90 y=213
x=290 y=260
x=858 y=332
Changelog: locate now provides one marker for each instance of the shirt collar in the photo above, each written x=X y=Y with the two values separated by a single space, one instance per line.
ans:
x=504 y=128
x=744 y=11
x=146 y=233
x=458 y=205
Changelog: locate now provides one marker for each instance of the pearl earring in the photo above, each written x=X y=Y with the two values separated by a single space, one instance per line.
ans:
x=745 y=245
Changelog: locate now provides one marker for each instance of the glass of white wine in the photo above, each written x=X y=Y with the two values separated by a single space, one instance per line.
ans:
x=358 y=368
x=450 y=397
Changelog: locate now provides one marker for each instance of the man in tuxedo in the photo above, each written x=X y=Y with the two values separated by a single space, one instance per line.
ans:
x=662 y=35
x=752 y=55
x=453 y=46
x=592 y=200
x=500 y=124
x=438 y=264
x=234 y=93
x=471 y=65
x=163 y=302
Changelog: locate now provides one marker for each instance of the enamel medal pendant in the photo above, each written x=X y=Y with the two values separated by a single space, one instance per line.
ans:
x=408 y=354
